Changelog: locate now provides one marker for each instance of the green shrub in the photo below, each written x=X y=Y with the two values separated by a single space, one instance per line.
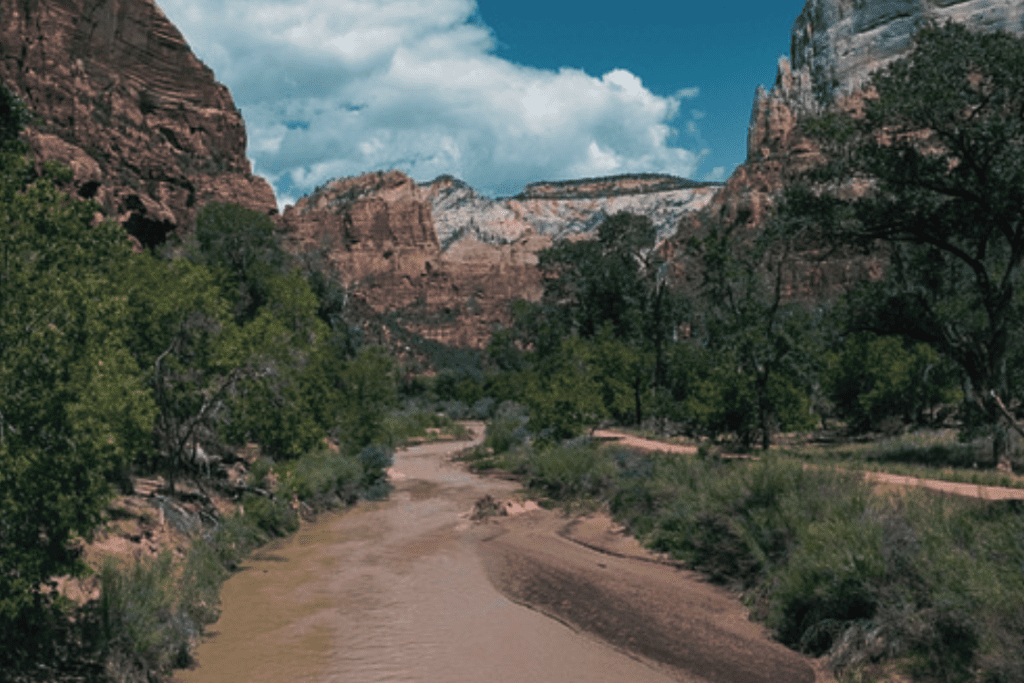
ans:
x=572 y=469
x=507 y=428
x=376 y=459
x=142 y=629
x=273 y=517
x=320 y=478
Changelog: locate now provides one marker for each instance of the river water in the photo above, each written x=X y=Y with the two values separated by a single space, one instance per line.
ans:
x=404 y=590
x=395 y=591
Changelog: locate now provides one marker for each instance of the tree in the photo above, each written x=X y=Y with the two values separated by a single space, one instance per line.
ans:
x=931 y=172
x=241 y=246
x=185 y=343
x=767 y=339
x=72 y=407
x=616 y=281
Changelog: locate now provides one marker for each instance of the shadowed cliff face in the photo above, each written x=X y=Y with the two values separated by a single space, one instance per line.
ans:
x=835 y=46
x=120 y=98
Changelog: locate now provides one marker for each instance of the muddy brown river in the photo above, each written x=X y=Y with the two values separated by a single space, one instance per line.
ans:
x=410 y=589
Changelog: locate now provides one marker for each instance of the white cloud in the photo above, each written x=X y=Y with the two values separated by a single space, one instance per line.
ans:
x=340 y=87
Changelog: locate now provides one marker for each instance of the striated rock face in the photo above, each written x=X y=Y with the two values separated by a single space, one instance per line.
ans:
x=835 y=46
x=121 y=99
x=559 y=210
x=377 y=231
x=444 y=261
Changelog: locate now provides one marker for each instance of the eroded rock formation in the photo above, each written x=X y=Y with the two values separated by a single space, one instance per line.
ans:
x=558 y=210
x=444 y=261
x=119 y=96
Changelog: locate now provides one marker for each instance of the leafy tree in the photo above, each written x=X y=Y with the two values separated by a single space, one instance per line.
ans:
x=618 y=282
x=241 y=246
x=766 y=341
x=931 y=172
x=184 y=341
x=874 y=378
x=71 y=405
x=563 y=393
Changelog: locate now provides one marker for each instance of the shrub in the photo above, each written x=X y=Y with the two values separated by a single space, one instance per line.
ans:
x=572 y=469
x=272 y=517
x=322 y=477
x=142 y=629
x=507 y=428
x=376 y=459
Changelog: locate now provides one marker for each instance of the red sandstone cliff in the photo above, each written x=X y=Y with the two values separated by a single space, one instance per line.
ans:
x=120 y=98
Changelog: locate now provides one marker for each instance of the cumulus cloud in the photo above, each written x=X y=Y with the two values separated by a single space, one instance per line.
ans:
x=334 y=88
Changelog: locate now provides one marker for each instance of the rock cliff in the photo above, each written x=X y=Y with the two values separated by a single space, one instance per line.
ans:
x=558 y=210
x=119 y=96
x=443 y=261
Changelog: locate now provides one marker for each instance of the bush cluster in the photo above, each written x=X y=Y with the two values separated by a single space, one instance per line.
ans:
x=936 y=583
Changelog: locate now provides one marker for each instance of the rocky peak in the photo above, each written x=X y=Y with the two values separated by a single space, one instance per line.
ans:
x=838 y=43
x=555 y=210
x=119 y=96
x=375 y=211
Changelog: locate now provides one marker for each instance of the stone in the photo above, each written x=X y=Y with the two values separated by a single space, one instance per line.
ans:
x=119 y=97
x=445 y=262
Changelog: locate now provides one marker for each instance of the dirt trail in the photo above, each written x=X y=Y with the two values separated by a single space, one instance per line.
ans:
x=882 y=478
x=412 y=590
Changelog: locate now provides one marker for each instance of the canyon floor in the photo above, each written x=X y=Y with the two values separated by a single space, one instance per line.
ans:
x=413 y=589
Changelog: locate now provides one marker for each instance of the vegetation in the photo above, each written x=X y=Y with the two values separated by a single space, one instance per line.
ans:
x=928 y=582
x=936 y=155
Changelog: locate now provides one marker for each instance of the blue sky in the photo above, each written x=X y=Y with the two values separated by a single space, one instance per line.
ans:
x=497 y=93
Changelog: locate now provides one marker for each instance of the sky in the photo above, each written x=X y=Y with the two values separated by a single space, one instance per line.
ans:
x=497 y=93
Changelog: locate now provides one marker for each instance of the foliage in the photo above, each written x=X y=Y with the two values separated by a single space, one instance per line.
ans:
x=877 y=378
x=71 y=405
x=614 y=287
x=241 y=247
x=768 y=346
x=936 y=163
x=507 y=428
x=563 y=394
x=320 y=478
x=376 y=459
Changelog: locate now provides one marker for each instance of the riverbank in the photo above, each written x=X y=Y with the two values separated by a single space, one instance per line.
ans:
x=413 y=589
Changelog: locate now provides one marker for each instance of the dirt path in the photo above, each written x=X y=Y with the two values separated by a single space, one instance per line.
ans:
x=412 y=590
x=886 y=480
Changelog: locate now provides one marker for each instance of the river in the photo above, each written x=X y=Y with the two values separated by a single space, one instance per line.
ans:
x=408 y=590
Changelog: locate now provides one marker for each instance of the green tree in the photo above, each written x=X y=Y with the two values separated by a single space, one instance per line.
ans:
x=874 y=378
x=618 y=282
x=766 y=341
x=931 y=172
x=242 y=248
x=185 y=342
x=562 y=392
x=71 y=404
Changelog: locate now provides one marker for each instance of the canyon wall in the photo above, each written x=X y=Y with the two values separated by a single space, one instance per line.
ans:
x=119 y=96
x=443 y=261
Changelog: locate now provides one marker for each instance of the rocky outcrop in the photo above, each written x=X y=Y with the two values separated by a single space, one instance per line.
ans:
x=378 y=233
x=444 y=261
x=119 y=96
x=563 y=209
x=836 y=44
